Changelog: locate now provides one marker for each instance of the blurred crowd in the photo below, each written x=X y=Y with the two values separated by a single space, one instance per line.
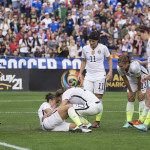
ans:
x=60 y=28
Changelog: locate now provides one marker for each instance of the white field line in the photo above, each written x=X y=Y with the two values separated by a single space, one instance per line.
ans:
x=2 y=101
x=37 y=112
x=13 y=146
x=7 y=101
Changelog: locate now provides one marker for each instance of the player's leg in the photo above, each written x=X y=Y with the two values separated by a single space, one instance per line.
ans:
x=88 y=85
x=146 y=108
x=99 y=90
x=130 y=104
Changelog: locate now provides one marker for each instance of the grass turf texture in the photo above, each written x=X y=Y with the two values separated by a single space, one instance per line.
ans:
x=23 y=129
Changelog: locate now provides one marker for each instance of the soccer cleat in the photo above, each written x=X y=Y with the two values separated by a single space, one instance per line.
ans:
x=96 y=124
x=127 y=125
x=142 y=127
x=84 y=128
x=76 y=130
x=89 y=125
x=135 y=122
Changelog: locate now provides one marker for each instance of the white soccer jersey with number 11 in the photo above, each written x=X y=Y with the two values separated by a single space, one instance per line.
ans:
x=95 y=61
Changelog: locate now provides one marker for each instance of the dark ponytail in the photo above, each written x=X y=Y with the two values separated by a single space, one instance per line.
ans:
x=49 y=96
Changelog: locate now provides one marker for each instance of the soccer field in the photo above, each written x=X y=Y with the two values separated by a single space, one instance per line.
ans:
x=21 y=128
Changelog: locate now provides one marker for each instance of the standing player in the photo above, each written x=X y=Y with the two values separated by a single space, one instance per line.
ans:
x=144 y=32
x=93 y=56
x=84 y=102
x=52 y=118
x=131 y=72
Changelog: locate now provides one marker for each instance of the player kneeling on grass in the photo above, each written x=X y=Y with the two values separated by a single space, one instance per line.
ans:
x=84 y=102
x=52 y=117
x=131 y=72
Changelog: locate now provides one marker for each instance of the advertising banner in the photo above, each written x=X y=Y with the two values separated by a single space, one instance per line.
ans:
x=45 y=63
x=14 y=80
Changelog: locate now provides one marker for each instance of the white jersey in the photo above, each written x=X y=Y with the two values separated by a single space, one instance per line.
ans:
x=135 y=70
x=41 y=111
x=78 y=95
x=148 y=53
x=95 y=61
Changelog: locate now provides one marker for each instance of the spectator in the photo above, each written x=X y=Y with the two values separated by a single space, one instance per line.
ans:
x=13 y=44
x=52 y=46
x=15 y=25
x=84 y=31
x=61 y=12
x=73 y=49
x=47 y=20
x=54 y=25
x=69 y=25
x=36 y=42
x=63 y=50
x=4 y=26
x=1 y=37
x=114 y=54
x=49 y=9
x=104 y=34
x=24 y=46
x=37 y=53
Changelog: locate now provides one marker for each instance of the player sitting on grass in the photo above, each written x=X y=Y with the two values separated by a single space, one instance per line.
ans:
x=131 y=72
x=84 y=102
x=52 y=117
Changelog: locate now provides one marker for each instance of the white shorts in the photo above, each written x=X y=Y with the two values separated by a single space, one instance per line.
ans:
x=134 y=85
x=91 y=109
x=55 y=123
x=97 y=87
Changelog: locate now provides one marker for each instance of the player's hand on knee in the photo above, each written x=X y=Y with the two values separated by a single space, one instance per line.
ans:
x=131 y=96
x=141 y=96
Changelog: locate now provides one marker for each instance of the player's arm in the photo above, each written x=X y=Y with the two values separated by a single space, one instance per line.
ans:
x=125 y=79
x=141 y=96
x=145 y=78
x=142 y=62
x=64 y=102
x=83 y=64
x=48 y=112
x=109 y=75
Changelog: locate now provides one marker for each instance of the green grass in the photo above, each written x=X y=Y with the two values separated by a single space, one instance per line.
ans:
x=23 y=129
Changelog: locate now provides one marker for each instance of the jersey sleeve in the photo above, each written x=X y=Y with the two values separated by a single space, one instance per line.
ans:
x=46 y=106
x=83 y=53
x=66 y=95
x=106 y=52
x=121 y=73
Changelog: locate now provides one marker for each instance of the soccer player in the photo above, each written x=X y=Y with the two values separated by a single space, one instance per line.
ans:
x=52 y=117
x=144 y=121
x=93 y=56
x=132 y=72
x=84 y=102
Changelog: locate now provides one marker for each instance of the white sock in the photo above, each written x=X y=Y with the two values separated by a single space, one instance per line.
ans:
x=141 y=107
x=144 y=113
x=130 y=111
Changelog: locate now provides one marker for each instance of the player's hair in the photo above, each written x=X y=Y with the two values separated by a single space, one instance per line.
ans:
x=94 y=35
x=124 y=59
x=60 y=91
x=49 y=96
x=143 y=29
